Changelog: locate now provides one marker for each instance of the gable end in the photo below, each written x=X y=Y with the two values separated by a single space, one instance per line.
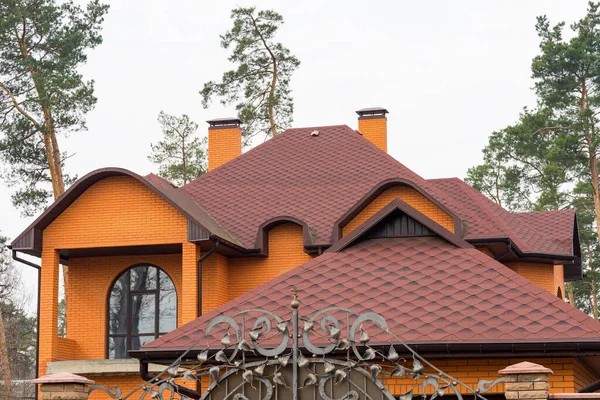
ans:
x=398 y=224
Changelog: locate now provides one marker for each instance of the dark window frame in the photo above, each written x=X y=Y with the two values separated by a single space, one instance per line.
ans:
x=130 y=293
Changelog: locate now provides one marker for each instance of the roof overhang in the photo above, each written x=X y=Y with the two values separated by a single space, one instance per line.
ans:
x=491 y=349
x=199 y=221
x=572 y=263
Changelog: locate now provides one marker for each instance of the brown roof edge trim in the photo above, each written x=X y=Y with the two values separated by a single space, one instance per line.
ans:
x=447 y=349
x=518 y=251
x=376 y=191
x=262 y=238
x=398 y=204
x=84 y=183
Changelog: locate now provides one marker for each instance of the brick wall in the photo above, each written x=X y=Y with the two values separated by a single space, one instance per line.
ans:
x=559 y=280
x=90 y=280
x=570 y=375
x=375 y=131
x=215 y=282
x=547 y=276
x=224 y=144
x=116 y=211
x=286 y=251
x=410 y=196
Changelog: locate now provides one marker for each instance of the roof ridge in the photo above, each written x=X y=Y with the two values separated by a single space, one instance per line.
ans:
x=260 y=146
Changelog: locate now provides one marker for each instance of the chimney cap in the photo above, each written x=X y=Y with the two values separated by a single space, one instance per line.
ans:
x=372 y=111
x=228 y=121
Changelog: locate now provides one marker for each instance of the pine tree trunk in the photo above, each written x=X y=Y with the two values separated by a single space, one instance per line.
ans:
x=4 y=362
x=571 y=294
x=594 y=299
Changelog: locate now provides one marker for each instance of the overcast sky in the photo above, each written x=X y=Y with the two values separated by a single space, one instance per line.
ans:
x=449 y=72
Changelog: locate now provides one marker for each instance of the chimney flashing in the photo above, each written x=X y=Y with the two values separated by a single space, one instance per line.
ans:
x=224 y=123
x=372 y=112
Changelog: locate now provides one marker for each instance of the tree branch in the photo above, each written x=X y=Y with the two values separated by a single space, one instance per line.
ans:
x=18 y=107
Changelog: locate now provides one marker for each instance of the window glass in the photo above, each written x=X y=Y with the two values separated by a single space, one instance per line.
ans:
x=139 y=341
x=118 y=306
x=142 y=305
x=143 y=313
x=117 y=347
x=143 y=278
x=167 y=320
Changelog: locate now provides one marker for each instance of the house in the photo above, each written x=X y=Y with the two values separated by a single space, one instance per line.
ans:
x=471 y=286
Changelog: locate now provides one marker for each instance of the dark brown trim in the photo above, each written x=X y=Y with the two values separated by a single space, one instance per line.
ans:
x=224 y=123
x=372 y=112
x=262 y=237
x=376 y=191
x=476 y=349
x=128 y=334
x=167 y=248
x=199 y=277
x=398 y=204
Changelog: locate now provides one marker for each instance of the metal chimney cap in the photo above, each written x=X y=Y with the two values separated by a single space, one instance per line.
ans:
x=372 y=111
x=229 y=121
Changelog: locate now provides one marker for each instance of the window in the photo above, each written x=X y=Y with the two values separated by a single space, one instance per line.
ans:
x=142 y=306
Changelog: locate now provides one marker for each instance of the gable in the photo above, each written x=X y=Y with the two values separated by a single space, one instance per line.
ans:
x=408 y=195
x=116 y=211
x=397 y=224
x=398 y=219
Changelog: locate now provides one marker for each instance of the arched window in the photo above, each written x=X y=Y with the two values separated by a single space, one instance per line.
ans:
x=142 y=305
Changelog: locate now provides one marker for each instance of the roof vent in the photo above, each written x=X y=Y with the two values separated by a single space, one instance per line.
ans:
x=314 y=133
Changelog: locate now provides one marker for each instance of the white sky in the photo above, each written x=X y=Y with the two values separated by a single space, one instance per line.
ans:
x=449 y=72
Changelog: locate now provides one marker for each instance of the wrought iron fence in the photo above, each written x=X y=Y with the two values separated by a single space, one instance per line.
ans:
x=333 y=354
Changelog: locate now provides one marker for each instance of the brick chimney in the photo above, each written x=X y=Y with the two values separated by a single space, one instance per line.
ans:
x=372 y=123
x=224 y=141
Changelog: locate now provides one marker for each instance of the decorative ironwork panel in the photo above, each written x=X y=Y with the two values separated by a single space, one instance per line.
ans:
x=329 y=355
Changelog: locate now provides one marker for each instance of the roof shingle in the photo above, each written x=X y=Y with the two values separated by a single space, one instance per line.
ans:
x=428 y=290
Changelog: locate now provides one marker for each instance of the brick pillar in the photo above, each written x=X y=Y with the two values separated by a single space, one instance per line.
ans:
x=526 y=380
x=48 y=335
x=189 y=282
x=63 y=386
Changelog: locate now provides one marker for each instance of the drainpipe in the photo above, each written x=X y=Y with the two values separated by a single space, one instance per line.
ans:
x=204 y=257
x=146 y=376
x=37 y=339
x=591 y=388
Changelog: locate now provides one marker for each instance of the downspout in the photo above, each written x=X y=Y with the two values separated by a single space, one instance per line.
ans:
x=204 y=257
x=591 y=388
x=37 y=339
x=146 y=376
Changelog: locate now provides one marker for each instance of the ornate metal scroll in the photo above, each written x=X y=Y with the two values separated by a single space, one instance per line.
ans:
x=264 y=360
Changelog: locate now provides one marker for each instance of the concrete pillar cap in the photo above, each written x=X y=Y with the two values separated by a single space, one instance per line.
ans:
x=525 y=367
x=62 y=377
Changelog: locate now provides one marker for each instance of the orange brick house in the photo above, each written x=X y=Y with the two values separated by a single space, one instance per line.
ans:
x=475 y=288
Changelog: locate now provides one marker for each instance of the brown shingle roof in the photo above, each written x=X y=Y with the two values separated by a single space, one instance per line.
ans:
x=428 y=290
x=316 y=179
x=549 y=232
x=312 y=178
